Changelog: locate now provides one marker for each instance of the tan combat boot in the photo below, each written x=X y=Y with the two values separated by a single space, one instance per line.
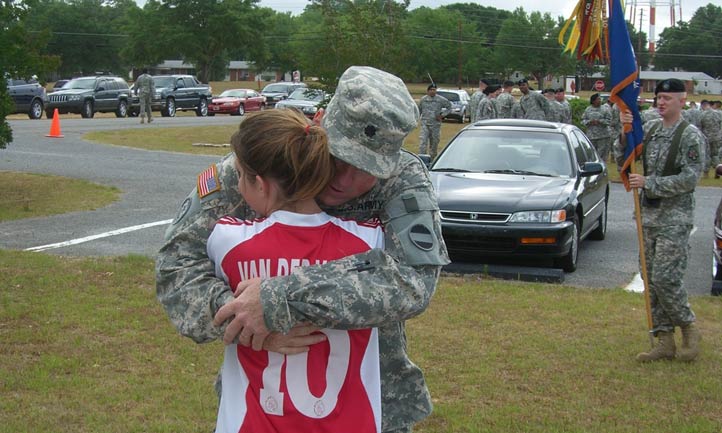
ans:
x=665 y=348
x=690 y=342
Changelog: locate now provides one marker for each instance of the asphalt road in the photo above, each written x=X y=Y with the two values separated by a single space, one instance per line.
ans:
x=155 y=183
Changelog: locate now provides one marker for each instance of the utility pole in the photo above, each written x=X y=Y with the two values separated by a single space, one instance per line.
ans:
x=458 y=80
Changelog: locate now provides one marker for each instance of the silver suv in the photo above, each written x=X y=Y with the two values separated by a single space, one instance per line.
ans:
x=459 y=104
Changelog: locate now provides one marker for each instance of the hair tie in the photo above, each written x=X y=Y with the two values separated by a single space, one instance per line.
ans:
x=308 y=128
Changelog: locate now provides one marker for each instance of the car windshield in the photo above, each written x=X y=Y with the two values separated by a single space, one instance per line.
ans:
x=277 y=88
x=80 y=83
x=163 y=81
x=508 y=152
x=233 y=93
x=451 y=96
x=307 y=95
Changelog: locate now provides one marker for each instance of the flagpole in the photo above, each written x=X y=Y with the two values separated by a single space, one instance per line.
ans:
x=642 y=258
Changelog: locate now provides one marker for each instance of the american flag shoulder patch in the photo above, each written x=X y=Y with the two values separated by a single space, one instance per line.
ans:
x=208 y=182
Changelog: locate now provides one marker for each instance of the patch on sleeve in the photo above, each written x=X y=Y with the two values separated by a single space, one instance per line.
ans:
x=208 y=182
x=693 y=155
x=420 y=236
x=183 y=210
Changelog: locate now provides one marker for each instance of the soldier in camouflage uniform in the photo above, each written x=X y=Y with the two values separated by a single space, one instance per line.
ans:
x=710 y=122
x=597 y=120
x=692 y=114
x=556 y=112
x=145 y=88
x=366 y=121
x=476 y=98
x=560 y=97
x=667 y=220
x=505 y=101
x=487 y=108
x=433 y=109
x=615 y=129
x=650 y=113
x=532 y=104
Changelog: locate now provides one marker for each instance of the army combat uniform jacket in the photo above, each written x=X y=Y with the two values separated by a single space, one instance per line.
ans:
x=372 y=289
x=534 y=106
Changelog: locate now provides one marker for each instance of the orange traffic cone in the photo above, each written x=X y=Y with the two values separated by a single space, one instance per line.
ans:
x=55 y=126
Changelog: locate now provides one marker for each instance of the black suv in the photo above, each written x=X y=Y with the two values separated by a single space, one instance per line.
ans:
x=275 y=92
x=28 y=96
x=90 y=95
x=180 y=92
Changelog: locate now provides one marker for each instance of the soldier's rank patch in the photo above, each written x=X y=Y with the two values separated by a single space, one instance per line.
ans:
x=421 y=237
x=183 y=210
x=693 y=155
x=208 y=182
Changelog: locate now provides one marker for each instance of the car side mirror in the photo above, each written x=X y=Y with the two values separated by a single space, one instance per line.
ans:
x=426 y=159
x=591 y=169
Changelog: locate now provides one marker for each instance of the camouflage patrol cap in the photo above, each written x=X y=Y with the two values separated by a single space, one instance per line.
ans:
x=368 y=118
x=671 y=85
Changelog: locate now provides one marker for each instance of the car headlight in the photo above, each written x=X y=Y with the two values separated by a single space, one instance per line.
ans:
x=309 y=109
x=74 y=98
x=539 y=216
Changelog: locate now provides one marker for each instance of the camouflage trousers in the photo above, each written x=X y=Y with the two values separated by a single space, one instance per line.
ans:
x=712 y=156
x=666 y=250
x=602 y=145
x=429 y=137
x=145 y=100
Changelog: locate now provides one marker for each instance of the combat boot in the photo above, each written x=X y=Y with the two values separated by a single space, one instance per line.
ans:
x=142 y=120
x=665 y=348
x=690 y=342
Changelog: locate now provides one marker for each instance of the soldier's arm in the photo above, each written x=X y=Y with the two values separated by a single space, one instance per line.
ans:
x=692 y=158
x=186 y=284
x=376 y=287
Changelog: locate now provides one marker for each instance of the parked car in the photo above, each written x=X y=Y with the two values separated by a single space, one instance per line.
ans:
x=58 y=85
x=28 y=97
x=90 y=95
x=459 y=102
x=521 y=189
x=275 y=92
x=717 y=248
x=180 y=92
x=304 y=99
x=236 y=102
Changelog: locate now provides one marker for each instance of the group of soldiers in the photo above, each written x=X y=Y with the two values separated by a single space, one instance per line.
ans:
x=708 y=119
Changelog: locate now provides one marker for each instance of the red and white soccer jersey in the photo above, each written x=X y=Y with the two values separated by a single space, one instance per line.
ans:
x=335 y=387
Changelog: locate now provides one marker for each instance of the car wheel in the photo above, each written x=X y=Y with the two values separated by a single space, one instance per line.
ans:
x=202 y=109
x=86 y=112
x=241 y=110
x=263 y=107
x=600 y=232
x=36 y=109
x=122 y=110
x=568 y=263
x=49 y=113
x=169 y=110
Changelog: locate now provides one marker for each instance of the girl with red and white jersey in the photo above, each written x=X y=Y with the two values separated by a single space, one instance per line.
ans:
x=283 y=162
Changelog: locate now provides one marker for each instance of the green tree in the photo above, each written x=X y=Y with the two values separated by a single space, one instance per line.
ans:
x=693 y=46
x=20 y=56
x=274 y=49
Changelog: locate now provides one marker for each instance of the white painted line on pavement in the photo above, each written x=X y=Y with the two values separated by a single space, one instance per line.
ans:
x=98 y=236
x=636 y=285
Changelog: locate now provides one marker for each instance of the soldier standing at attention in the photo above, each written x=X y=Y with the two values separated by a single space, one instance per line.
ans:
x=566 y=108
x=532 y=104
x=597 y=119
x=476 y=98
x=433 y=109
x=145 y=88
x=673 y=159
x=366 y=122
x=505 y=101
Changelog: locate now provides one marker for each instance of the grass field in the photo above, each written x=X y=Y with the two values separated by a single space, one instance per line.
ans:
x=87 y=348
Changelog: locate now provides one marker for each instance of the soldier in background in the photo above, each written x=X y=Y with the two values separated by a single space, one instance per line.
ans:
x=505 y=101
x=615 y=128
x=433 y=109
x=560 y=97
x=650 y=113
x=366 y=121
x=516 y=108
x=692 y=114
x=556 y=112
x=670 y=176
x=487 y=108
x=597 y=119
x=532 y=104
x=476 y=98
x=710 y=122
x=145 y=88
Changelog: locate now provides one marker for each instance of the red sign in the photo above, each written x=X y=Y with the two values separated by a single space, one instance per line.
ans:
x=599 y=85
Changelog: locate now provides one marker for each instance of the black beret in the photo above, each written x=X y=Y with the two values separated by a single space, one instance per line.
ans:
x=484 y=81
x=549 y=90
x=431 y=86
x=671 y=85
x=508 y=83
x=522 y=81
x=560 y=90
x=593 y=98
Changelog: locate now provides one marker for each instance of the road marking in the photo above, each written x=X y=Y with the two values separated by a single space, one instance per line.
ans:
x=636 y=285
x=694 y=229
x=98 y=236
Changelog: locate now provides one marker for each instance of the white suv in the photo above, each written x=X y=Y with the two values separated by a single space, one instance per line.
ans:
x=460 y=104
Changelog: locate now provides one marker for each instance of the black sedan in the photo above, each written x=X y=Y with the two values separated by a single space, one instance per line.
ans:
x=521 y=189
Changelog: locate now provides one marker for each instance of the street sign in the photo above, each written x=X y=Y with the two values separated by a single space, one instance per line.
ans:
x=599 y=85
